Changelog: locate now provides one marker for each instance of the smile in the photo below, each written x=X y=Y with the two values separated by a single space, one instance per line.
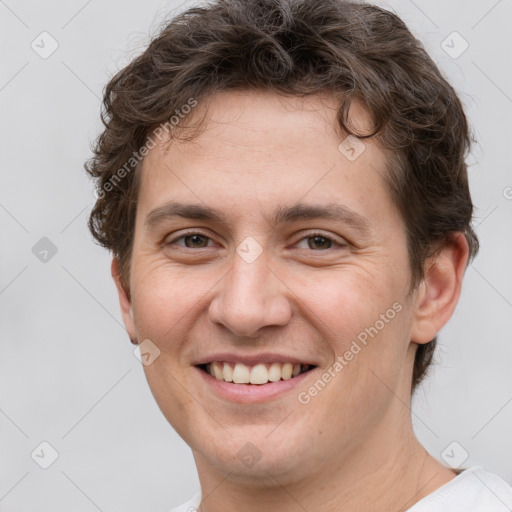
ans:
x=258 y=374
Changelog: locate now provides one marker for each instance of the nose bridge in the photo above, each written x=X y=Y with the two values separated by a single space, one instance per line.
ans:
x=249 y=297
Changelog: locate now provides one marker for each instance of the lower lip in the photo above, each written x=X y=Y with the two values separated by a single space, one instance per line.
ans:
x=251 y=393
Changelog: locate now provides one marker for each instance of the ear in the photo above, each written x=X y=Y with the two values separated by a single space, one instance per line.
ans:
x=439 y=291
x=124 y=301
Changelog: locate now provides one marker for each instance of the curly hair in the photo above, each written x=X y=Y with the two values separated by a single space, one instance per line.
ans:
x=353 y=50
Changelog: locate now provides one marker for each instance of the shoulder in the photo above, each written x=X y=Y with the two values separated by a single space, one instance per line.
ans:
x=473 y=490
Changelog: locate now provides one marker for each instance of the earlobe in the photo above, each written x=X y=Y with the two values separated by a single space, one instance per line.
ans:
x=124 y=301
x=439 y=292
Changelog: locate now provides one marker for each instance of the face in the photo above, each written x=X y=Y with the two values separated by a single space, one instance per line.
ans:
x=263 y=249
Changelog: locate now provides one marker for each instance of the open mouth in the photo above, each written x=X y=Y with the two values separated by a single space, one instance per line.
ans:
x=262 y=373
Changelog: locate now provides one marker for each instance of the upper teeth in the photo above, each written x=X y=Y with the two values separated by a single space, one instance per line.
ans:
x=257 y=374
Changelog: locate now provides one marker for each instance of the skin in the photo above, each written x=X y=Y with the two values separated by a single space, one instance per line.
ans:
x=353 y=443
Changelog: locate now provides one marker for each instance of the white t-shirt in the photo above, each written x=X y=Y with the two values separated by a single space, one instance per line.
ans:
x=473 y=490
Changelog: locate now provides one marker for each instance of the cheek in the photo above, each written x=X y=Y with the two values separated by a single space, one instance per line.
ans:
x=163 y=298
x=347 y=301
x=364 y=318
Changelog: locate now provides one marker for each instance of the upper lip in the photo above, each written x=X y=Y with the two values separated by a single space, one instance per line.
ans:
x=251 y=360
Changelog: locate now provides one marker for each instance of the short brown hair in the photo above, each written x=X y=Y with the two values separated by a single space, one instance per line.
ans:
x=354 y=50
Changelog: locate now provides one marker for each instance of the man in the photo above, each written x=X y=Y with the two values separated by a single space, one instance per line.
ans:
x=283 y=188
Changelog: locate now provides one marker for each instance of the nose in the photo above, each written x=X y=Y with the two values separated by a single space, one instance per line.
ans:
x=251 y=296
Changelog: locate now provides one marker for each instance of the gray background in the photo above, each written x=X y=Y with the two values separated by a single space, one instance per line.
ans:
x=68 y=375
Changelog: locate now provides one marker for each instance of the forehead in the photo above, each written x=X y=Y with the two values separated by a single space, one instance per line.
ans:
x=257 y=120
x=263 y=148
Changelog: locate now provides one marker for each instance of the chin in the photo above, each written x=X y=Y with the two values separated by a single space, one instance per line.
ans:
x=253 y=458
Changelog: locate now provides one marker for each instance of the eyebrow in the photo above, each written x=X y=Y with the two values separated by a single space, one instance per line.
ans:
x=282 y=215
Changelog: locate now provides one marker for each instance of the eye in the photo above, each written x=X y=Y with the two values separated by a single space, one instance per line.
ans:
x=321 y=242
x=192 y=240
x=317 y=241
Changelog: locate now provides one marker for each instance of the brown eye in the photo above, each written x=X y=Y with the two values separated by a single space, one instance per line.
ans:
x=195 y=241
x=319 y=242
x=191 y=241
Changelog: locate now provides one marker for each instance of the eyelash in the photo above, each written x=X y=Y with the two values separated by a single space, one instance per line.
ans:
x=305 y=237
